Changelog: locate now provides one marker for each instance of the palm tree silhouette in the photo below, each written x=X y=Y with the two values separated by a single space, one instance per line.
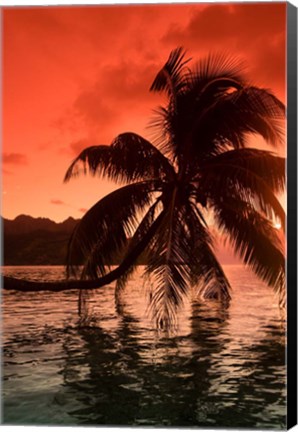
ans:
x=197 y=164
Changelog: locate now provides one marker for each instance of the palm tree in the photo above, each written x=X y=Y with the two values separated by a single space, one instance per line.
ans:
x=197 y=164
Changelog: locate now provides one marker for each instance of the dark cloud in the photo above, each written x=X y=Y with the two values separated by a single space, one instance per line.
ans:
x=235 y=24
x=14 y=158
x=256 y=32
x=128 y=80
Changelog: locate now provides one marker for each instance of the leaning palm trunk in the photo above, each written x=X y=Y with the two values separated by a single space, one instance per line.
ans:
x=10 y=283
x=23 y=285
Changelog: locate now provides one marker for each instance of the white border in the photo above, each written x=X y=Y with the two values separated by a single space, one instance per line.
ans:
x=14 y=3
x=111 y=2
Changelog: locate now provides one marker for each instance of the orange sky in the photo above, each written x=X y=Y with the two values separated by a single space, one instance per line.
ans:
x=78 y=76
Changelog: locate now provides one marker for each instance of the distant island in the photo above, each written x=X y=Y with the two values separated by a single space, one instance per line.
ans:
x=41 y=241
x=36 y=241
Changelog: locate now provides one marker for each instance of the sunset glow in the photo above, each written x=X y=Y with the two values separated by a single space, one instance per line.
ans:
x=78 y=76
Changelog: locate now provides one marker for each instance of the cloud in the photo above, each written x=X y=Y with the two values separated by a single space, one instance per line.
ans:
x=77 y=146
x=57 y=202
x=6 y=172
x=255 y=32
x=118 y=93
x=14 y=159
x=236 y=24
x=83 y=210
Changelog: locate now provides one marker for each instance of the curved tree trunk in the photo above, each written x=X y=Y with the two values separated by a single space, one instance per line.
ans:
x=10 y=283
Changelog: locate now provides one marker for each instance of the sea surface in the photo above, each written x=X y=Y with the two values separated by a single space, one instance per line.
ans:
x=221 y=368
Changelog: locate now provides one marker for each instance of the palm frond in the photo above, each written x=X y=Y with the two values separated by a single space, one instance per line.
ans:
x=129 y=158
x=264 y=164
x=101 y=236
x=245 y=111
x=139 y=234
x=179 y=257
x=218 y=66
x=178 y=120
x=206 y=272
x=215 y=76
x=161 y=131
x=254 y=240
x=265 y=113
x=260 y=100
x=92 y=158
x=168 y=266
x=250 y=174
x=171 y=77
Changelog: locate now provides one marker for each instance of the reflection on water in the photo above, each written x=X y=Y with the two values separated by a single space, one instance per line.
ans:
x=223 y=368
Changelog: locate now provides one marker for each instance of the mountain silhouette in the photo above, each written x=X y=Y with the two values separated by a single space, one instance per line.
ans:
x=36 y=241
x=23 y=224
x=41 y=241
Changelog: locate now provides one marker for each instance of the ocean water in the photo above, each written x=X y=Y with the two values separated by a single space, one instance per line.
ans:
x=222 y=368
